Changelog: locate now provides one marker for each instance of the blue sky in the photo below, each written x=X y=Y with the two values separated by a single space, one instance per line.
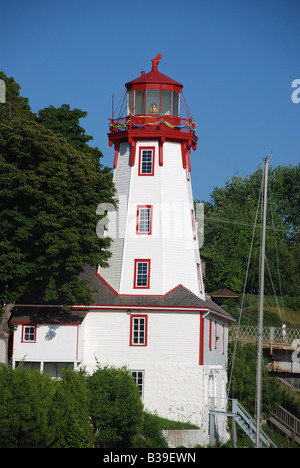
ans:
x=237 y=60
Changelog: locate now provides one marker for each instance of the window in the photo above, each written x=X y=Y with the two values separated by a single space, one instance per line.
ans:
x=153 y=98
x=144 y=219
x=193 y=224
x=166 y=102
x=138 y=330
x=146 y=162
x=139 y=101
x=199 y=278
x=142 y=274
x=29 y=333
x=138 y=377
x=216 y=334
x=176 y=104
x=223 y=340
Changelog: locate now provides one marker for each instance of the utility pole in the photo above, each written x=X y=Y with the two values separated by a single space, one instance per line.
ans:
x=261 y=305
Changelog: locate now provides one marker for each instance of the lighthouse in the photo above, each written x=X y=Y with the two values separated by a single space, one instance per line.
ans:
x=155 y=247
x=150 y=312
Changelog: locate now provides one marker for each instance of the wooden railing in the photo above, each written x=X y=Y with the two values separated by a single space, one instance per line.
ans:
x=270 y=335
x=287 y=423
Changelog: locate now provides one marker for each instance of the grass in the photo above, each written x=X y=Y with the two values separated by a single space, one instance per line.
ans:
x=272 y=315
x=168 y=424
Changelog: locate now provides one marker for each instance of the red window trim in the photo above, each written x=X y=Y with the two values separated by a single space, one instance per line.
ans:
x=210 y=335
x=132 y=316
x=201 y=340
x=199 y=278
x=23 y=333
x=223 y=339
x=140 y=260
x=138 y=220
x=216 y=329
x=193 y=224
x=140 y=159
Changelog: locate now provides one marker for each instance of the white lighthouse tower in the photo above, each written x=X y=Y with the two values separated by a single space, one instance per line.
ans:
x=155 y=246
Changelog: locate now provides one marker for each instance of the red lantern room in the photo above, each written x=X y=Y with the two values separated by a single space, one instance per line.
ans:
x=153 y=105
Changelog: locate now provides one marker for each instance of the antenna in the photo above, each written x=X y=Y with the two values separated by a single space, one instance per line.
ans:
x=112 y=105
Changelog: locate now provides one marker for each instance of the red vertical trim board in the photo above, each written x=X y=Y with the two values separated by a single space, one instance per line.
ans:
x=117 y=149
x=210 y=335
x=201 y=341
x=161 y=155
x=133 y=150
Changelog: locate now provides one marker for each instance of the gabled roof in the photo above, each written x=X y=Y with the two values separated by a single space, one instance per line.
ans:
x=223 y=292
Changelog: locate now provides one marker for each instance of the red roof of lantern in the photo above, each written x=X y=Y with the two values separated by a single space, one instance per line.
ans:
x=154 y=77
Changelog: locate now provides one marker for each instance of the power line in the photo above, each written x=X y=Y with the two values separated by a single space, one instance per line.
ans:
x=231 y=221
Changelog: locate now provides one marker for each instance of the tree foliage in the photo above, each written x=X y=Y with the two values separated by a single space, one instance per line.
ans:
x=230 y=217
x=116 y=407
x=78 y=410
x=243 y=383
x=51 y=183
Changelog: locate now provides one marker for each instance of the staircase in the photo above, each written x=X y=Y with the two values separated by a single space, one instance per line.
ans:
x=243 y=419
x=248 y=424
x=287 y=423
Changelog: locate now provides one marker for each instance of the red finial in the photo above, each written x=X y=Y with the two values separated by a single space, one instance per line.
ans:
x=155 y=62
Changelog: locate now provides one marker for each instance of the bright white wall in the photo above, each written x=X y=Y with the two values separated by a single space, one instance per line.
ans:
x=59 y=343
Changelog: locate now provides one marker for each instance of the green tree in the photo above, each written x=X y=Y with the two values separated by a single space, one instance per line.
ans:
x=230 y=216
x=50 y=186
x=16 y=106
x=25 y=399
x=243 y=382
x=69 y=417
x=48 y=199
x=116 y=407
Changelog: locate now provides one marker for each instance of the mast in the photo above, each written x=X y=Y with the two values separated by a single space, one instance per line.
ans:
x=261 y=303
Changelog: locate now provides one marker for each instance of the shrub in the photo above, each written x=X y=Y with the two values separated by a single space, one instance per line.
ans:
x=116 y=407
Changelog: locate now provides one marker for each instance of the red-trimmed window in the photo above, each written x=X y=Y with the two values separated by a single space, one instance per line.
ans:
x=28 y=333
x=199 y=278
x=146 y=161
x=142 y=273
x=223 y=339
x=193 y=224
x=144 y=219
x=216 y=334
x=138 y=330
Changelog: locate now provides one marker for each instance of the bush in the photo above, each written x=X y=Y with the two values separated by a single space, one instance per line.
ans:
x=151 y=434
x=116 y=407
x=25 y=397
x=103 y=409
x=69 y=417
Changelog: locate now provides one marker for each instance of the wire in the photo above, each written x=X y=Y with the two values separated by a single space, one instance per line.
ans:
x=245 y=283
x=231 y=221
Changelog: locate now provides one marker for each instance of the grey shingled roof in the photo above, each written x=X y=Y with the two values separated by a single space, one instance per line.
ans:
x=177 y=298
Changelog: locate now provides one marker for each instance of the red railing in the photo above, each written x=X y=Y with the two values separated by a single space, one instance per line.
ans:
x=150 y=122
